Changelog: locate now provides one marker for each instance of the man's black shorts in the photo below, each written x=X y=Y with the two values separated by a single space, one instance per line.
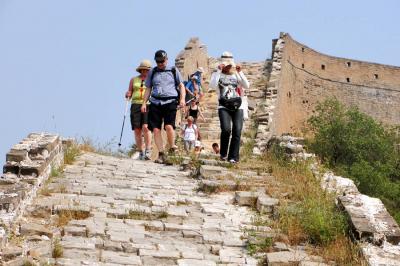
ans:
x=138 y=119
x=160 y=113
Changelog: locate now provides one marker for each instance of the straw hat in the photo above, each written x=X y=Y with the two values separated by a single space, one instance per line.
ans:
x=144 y=65
x=227 y=59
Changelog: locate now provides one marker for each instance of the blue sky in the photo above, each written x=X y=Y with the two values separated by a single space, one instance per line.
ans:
x=65 y=65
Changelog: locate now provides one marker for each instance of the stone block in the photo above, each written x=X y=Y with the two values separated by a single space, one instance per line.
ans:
x=31 y=229
x=75 y=231
x=369 y=219
x=113 y=246
x=11 y=252
x=266 y=204
x=210 y=170
x=195 y=262
x=161 y=254
x=32 y=168
x=246 y=198
x=79 y=243
x=11 y=167
x=15 y=155
x=285 y=258
x=120 y=258
x=386 y=254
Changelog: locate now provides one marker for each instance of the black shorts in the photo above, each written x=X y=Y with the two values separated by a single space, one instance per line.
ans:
x=162 y=113
x=138 y=119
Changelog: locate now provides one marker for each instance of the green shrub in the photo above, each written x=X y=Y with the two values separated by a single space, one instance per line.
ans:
x=358 y=147
x=321 y=220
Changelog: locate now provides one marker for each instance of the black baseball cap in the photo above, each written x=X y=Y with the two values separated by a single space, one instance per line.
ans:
x=160 y=55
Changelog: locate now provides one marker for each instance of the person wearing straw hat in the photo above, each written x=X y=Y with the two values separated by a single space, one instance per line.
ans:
x=139 y=120
x=229 y=82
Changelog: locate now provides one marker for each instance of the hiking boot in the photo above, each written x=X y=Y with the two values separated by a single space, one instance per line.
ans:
x=141 y=155
x=147 y=154
x=135 y=155
x=161 y=158
x=172 y=150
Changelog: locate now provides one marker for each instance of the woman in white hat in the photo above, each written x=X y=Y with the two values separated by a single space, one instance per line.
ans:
x=229 y=82
x=139 y=120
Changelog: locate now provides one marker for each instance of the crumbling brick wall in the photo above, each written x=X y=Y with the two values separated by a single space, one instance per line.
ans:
x=308 y=77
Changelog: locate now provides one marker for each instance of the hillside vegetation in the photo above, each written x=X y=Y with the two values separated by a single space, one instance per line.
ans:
x=356 y=146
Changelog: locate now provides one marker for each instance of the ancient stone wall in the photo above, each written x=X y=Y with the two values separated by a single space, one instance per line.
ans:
x=193 y=56
x=308 y=77
x=28 y=165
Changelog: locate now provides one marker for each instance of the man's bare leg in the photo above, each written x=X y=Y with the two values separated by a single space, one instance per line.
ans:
x=170 y=135
x=158 y=139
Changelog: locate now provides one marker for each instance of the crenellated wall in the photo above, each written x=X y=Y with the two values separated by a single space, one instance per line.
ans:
x=193 y=56
x=28 y=165
x=308 y=77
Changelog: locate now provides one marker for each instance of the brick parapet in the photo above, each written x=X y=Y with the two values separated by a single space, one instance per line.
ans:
x=28 y=165
x=308 y=77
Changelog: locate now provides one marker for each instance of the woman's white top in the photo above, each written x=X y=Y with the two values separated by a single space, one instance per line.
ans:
x=190 y=133
x=231 y=85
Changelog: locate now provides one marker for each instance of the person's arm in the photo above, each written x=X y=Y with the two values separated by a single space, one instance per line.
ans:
x=147 y=92
x=242 y=78
x=188 y=91
x=128 y=94
x=146 y=97
x=183 y=94
x=214 y=79
x=196 y=132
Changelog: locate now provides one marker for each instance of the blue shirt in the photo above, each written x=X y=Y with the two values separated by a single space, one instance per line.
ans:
x=163 y=85
x=190 y=86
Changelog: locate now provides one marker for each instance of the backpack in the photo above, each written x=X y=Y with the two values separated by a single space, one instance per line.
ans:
x=165 y=98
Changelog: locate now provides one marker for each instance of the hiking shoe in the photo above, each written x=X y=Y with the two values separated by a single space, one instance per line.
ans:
x=141 y=155
x=161 y=158
x=233 y=161
x=173 y=149
x=147 y=154
x=135 y=155
x=223 y=158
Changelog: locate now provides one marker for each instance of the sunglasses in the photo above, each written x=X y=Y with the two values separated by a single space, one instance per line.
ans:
x=160 y=61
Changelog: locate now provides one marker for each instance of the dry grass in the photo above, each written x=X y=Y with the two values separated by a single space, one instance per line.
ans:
x=58 y=250
x=343 y=252
x=65 y=216
x=45 y=191
x=140 y=215
x=71 y=152
x=307 y=214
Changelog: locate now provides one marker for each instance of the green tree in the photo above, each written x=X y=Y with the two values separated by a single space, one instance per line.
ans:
x=358 y=147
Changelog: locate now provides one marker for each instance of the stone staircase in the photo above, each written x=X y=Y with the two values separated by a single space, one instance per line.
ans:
x=210 y=129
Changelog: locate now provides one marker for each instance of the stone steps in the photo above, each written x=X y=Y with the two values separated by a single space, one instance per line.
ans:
x=141 y=213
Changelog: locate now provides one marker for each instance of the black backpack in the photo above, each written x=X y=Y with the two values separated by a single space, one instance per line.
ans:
x=165 y=98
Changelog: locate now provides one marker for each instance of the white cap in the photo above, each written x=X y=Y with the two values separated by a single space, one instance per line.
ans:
x=227 y=59
x=197 y=143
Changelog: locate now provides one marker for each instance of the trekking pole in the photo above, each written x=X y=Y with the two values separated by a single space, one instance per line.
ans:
x=186 y=102
x=123 y=122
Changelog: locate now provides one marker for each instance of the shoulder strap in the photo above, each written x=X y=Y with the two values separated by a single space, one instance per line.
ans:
x=173 y=70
